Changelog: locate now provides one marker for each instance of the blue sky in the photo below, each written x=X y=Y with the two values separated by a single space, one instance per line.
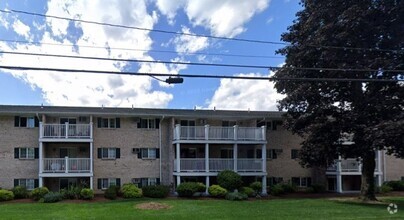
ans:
x=254 y=19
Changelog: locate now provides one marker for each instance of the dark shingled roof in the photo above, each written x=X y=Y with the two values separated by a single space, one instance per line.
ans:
x=135 y=112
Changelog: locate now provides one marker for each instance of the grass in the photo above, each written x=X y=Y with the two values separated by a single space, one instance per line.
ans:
x=205 y=209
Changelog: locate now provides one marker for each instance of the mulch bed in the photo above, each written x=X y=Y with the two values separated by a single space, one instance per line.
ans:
x=152 y=206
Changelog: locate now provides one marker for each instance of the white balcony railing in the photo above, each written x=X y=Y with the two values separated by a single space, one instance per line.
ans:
x=66 y=131
x=66 y=165
x=349 y=165
x=218 y=164
x=219 y=133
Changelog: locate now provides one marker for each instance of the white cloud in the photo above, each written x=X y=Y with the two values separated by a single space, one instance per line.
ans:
x=242 y=94
x=270 y=20
x=223 y=18
x=3 y=21
x=21 y=29
x=189 y=44
x=81 y=89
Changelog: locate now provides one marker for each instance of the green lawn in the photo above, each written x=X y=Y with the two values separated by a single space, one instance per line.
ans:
x=205 y=209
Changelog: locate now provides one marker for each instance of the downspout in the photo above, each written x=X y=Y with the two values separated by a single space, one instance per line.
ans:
x=162 y=118
x=384 y=167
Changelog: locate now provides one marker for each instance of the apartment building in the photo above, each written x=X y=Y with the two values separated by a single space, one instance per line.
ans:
x=95 y=147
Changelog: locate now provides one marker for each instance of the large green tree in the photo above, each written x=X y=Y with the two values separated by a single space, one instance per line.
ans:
x=340 y=34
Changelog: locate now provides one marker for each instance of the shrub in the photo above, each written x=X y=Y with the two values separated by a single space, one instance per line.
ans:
x=87 y=194
x=130 y=190
x=248 y=191
x=217 y=191
x=157 y=191
x=111 y=193
x=395 y=185
x=289 y=188
x=229 y=180
x=277 y=190
x=52 y=197
x=39 y=193
x=256 y=186
x=20 y=192
x=316 y=188
x=6 y=195
x=385 y=189
x=236 y=196
x=188 y=189
x=72 y=192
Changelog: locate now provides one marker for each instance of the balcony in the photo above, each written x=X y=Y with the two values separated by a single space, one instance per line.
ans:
x=66 y=165
x=218 y=164
x=349 y=166
x=66 y=131
x=213 y=133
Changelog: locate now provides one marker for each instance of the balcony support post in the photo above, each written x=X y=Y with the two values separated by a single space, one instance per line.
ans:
x=235 y=149
x=66 y=130
x=264 y=158
x=207 y=157
x=66 y=164
x=40 y=130
x=206 y=132
x=177 y=155
x=40 y=182
x=338 y=175
x=91 y=157
x=177 y=132
x=91 y=182
x=264 y=133
x=264 y=186
x=207 y=183
x=40 y=157
x=235 y=127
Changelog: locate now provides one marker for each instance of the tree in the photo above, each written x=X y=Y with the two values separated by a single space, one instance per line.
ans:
x=323 y=112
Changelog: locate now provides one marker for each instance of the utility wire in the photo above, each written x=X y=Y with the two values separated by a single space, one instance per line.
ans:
x=142 y=50
x=202 y=64
x=195 y=35
x=202 y=76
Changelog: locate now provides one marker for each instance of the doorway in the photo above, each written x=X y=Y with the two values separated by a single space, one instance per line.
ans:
x=66 y=183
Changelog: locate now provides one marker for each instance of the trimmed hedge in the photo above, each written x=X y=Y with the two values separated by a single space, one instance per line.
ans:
x=130 y=190
x=87 y=194
x=157 y=191
x=20 y=192
x=256 y=186
x=217 y=191
x=52 y=197
x=39 y=193
x=395 y=185
x=229 y=180
x=236 y=196
x=277 y=190
x=385 y=189
x=248 y=191
x=317 y=188
x=6 y=195
x=188 y=189
x=111 y=193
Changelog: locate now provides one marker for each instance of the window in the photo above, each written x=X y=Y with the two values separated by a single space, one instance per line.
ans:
x=148 y=153
x=273 y=153
x=140 y=182
x=226 y=153
x=301 y=181
x=228 y=123
x=149 y=123
x=108 y=123
x=274 y=180
x=26 y=153
x=294 y=154
x=29 y=184
x=109 y=153
x=104 y=183
x=187 y=123
x=26 y=122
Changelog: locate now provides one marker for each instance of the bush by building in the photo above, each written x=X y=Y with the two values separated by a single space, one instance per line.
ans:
x=20 y=192
x=217 y=191
x=395 y=185
x=6 y=195
x=52 y=197
x=256 y=186
x=130 y=190
x=111 y=193
x=229 y=180
x=39 y=193
x=188 y=189
x=236 y=196
x=316 y=188
x=248 y=191
x=87 y=194
x=157 y=191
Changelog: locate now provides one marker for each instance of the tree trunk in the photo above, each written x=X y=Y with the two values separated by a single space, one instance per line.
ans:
x=368 y=178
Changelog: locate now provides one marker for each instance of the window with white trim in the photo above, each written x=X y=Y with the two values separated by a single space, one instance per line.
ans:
x=149 y=153
x=140 y=182
x=26 y=122
x=274 y=180
x=273 y=153
x=301 y=181
x=148 y=123
x=108 y=123
x=25 y=153
x=29 y=184
x=105 y=183
x=109 y=153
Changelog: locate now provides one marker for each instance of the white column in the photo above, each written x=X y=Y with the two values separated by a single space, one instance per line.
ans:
x=235 y=149
x=379 y=161
x=206 y=132
x=91 y=130
x=91 y=182
x=66 y=164
x=40 y=157
x=235 y=127
x=40 y=130
x=40 y=182
x=177 y=133
x=264 y=186
x=379 y=180
x=67 y=130
x=264 y=132
x=178 y=180
x=207 y=157
x=177 y=155
x=207 y=183
x=264 y=158
x=338 y=175
x=91 y=157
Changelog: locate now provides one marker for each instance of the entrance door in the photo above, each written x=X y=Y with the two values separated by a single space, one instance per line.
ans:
x=332 y=184
x=65 y=183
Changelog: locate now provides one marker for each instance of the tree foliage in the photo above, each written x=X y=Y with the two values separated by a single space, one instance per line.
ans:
x=346 y=35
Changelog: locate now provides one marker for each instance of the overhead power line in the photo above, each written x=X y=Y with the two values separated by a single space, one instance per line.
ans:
x=201 y=76
x=143 y=50
x=196 y=35
x=201 y=64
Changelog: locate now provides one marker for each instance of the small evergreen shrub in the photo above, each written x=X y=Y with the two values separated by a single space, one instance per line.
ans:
x=71 y=192
x=256 y=186
x=277 y=190
x=20 y=192
x=111 y=193
x=188 y=189
x=248 y=191
x=130 y=190
x=157 y=191
x=6 y=195
x=39 y=193
x=289 y=188
x=395 y=185
x=317 y=188
x=385 y=189
x=217 y=191
x=52 y=197
x=229 y=180
x=236 y=196
x=87 y=194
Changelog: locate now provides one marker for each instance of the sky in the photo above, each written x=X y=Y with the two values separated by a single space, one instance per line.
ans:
x=263 y=20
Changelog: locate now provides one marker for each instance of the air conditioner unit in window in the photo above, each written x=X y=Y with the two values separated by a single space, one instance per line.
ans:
x=135 y=150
